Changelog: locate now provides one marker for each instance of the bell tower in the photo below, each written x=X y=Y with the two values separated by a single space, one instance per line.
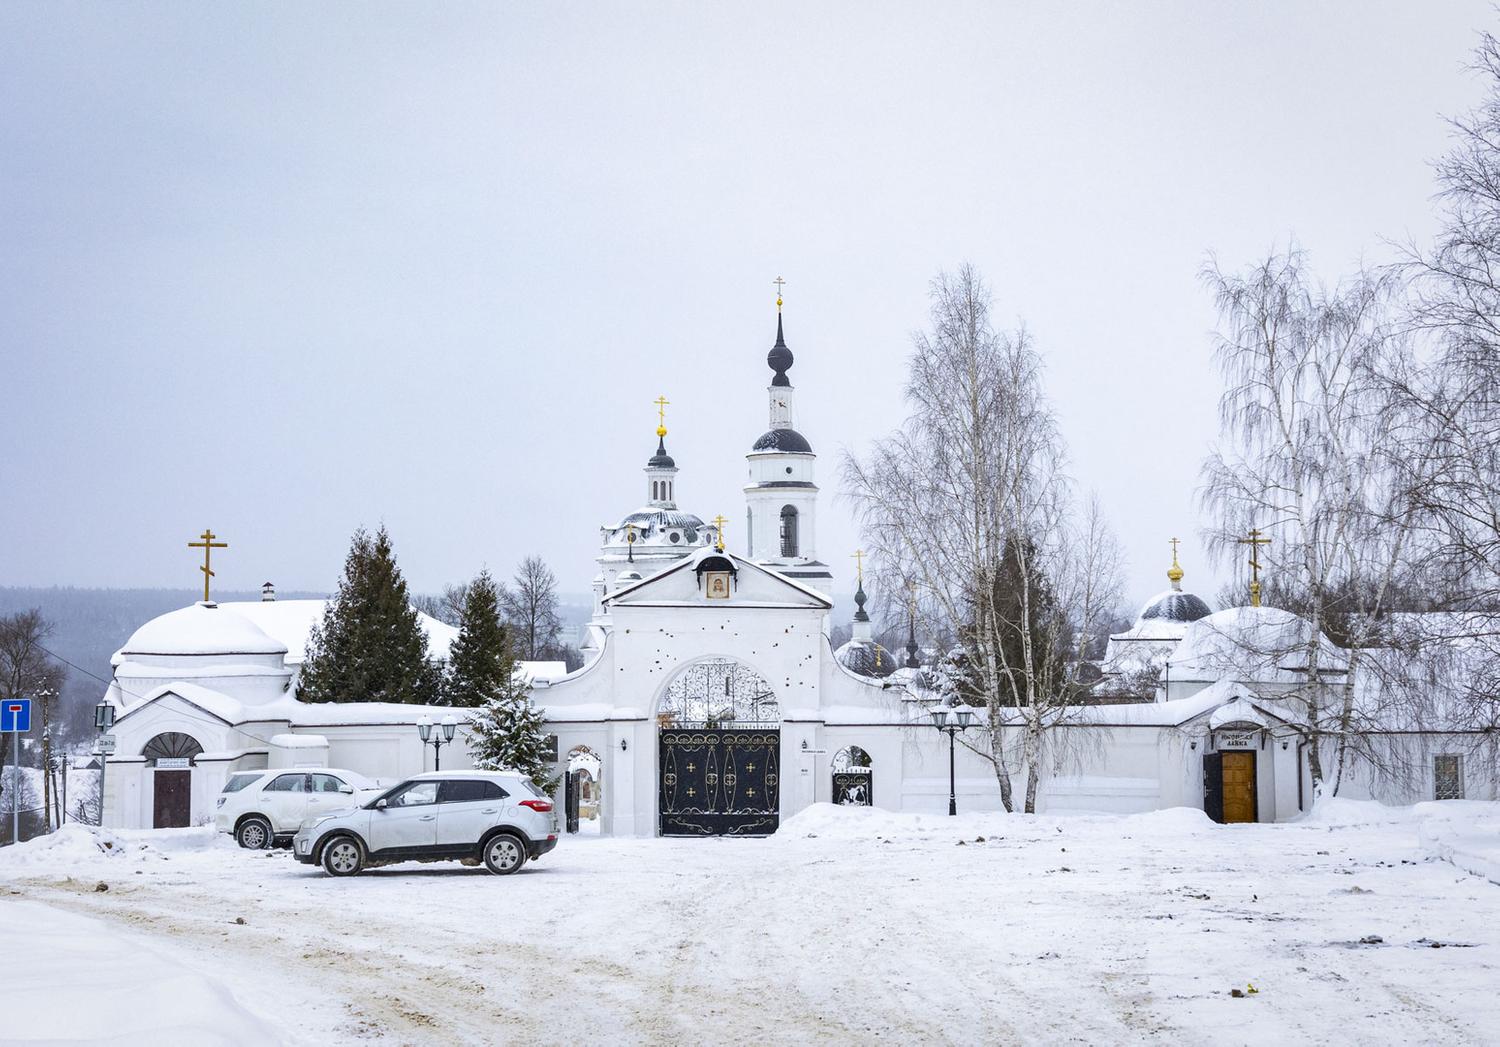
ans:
x=661 y=470
x=781 y=497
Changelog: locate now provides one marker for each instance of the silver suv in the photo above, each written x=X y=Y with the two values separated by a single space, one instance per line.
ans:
x=495 y=817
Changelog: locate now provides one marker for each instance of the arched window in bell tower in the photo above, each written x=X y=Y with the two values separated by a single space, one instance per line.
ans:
x=788 y=530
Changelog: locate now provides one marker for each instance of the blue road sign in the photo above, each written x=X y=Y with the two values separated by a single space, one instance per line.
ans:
x=15 y=715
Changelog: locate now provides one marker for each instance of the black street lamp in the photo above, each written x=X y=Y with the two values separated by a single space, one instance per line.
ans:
x=951 y=725
x=424 y=728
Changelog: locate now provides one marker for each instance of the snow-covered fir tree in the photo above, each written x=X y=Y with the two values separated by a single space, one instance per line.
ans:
x=507 y=732
x=479 y=663
x=370 y=646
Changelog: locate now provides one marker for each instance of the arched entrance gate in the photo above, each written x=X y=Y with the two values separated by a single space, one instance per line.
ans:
x=170 y=757
x=719 y=753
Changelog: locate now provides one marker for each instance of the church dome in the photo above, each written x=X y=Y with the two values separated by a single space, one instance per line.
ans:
x=661 y=459
x=1174 y=606
x=785 y=440
x=867 y=658
x=202 y=629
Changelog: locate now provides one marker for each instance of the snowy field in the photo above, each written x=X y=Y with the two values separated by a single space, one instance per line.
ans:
x=1364 y=925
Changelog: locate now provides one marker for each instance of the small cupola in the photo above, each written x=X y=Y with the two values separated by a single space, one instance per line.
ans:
x=661 y=469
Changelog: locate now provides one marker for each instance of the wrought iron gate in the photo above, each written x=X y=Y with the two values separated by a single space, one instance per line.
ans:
x=717 y=781
x=571 y=798
x=854 y=788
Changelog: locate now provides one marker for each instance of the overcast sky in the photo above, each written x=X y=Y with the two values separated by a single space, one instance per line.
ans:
x=283 y=270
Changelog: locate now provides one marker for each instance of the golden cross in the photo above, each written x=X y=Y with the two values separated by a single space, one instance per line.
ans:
x=1255 y=541
x=719 y=523
x=208 y=545
x=1174 y=542
x=859 y=566
x=661 y=403
x=780 y=283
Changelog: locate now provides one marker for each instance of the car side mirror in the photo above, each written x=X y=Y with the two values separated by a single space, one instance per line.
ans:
x=346 y=788
x=380 y=804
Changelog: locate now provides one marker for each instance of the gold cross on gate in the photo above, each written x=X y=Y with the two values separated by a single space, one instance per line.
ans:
x=719 y=523
x=1255 y=541
x=208 y=545
x=662 y=403
x=859 y=565
x=780 y=283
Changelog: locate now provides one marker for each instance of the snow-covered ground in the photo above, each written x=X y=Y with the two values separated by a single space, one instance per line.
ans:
x=1360 y=925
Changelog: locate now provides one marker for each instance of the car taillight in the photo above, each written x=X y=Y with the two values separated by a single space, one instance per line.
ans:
x=541 y=806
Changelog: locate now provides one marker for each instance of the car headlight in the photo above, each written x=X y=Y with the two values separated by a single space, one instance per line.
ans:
x=313 y=823
x=220 y=802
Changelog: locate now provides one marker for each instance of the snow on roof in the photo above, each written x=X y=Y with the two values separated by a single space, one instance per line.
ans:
x=200 y=629
x=533 y=671
x=299 y=741
x=210 y=701
x=292 y=621
x=1261 y=644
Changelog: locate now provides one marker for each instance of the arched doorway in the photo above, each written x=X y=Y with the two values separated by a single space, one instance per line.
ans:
x=719 y=752
x=170 y=757
x=853 y=777
x=582 y=793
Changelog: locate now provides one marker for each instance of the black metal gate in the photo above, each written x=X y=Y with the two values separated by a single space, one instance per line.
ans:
x=854 y=788
x=571 y=798
x=717 y=781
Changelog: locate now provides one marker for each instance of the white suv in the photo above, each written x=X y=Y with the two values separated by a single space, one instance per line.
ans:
x=495 y=817
x=263 y=808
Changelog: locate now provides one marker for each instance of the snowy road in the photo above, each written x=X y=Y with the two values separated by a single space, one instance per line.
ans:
x=845 y=927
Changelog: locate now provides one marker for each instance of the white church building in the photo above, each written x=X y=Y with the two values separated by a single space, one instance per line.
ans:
x=712 y=702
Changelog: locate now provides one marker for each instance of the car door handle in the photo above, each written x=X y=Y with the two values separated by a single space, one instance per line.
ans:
x=490 y=810
x=428 y=818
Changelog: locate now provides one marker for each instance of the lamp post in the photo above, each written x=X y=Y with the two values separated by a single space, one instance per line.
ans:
x=104 y=719
x=445 y=737
x=951 y=722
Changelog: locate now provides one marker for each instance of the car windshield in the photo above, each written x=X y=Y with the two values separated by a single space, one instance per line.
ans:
x=239 y=781
x=531 y=787
x=411 y=794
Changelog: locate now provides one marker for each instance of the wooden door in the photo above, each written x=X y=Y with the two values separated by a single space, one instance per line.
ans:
x=172 y=804
x=1238 y=769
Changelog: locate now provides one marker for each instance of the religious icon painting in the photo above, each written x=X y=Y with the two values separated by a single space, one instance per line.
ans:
x=717 y=585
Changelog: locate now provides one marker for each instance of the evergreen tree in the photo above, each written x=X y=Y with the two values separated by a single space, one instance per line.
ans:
x=369 y=646
x=479 y=665
x=508 y=733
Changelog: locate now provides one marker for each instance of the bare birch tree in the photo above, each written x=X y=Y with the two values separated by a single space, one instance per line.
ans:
x=1454 y=400
x=1307 y=416
x=530 y=606
x=968 y=505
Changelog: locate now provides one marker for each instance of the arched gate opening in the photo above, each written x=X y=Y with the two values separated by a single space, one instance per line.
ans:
x=719 y=752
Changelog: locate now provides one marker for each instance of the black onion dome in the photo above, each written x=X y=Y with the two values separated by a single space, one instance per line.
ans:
x=788 y=440
x=1173 y=606
x=780 y=357
x=661 y=459
x=867 y=658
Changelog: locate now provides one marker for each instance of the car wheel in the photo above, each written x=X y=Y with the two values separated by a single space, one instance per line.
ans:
x=343 y=856
x=504 y=854
x=254 y=834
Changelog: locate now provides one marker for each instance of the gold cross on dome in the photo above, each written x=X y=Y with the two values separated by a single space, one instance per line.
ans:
x=859 y=565
x=1174 y=542
x=1255 y=541
x=662 y=403
x=719 y=523
x=208 y=545
x=780 y=283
